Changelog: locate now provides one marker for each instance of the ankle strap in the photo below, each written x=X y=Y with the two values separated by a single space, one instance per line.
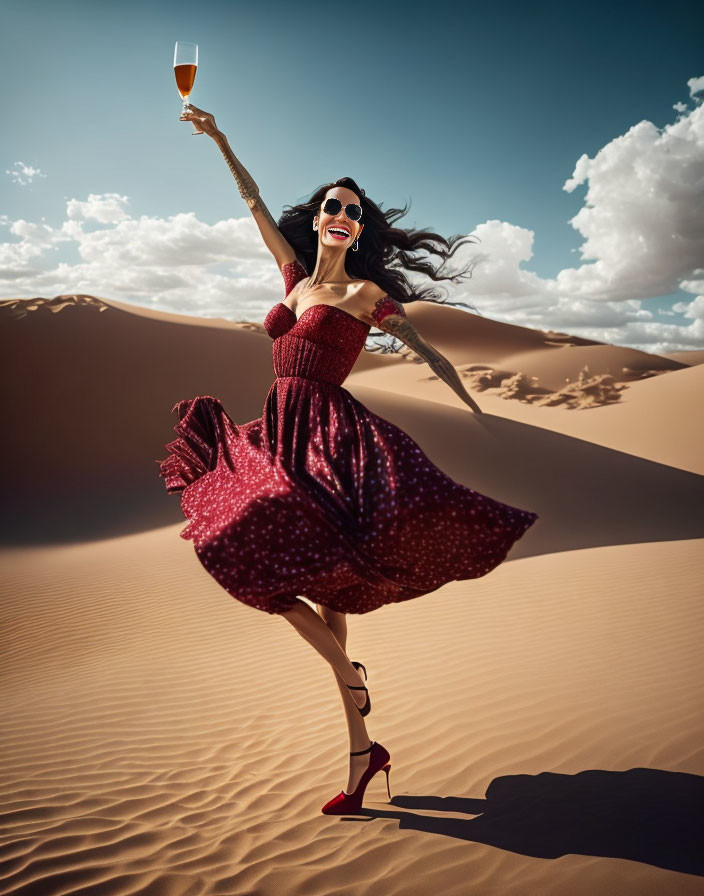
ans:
x=360 y=752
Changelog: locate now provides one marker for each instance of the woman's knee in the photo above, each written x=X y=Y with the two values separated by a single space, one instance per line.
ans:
x=336 y=622
x=328 y=614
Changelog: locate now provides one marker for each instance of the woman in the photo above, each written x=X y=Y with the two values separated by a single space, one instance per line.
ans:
x=320 y=497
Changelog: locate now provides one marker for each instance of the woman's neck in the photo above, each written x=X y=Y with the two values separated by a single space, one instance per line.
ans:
x=329 y=268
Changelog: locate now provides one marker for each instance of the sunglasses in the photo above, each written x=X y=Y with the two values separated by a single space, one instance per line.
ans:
x=333 y=206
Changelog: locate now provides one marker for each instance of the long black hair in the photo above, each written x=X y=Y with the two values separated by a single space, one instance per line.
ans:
x=385 y=252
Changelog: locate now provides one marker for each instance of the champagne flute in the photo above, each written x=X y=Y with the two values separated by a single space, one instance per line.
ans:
x=185 y=65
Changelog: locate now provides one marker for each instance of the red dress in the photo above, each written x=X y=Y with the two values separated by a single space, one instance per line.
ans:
x=320 y=497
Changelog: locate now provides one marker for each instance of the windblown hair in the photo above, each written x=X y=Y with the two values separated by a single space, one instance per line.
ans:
x=385 y=252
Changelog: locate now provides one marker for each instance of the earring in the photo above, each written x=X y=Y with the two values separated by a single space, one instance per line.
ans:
x=355 y=244
x=315 y=226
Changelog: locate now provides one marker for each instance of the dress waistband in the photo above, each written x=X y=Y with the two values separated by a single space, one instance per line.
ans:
x=311 y=379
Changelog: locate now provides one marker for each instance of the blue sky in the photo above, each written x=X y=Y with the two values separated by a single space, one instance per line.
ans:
x=490 y=119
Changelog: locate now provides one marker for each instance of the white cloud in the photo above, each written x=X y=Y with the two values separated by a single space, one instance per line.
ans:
x=696 y=85
x=693 y=310
x=23 y=174
x=502 y=248
x=643 y=231
x=642 y=220
x=107 y=209
x=179 y=263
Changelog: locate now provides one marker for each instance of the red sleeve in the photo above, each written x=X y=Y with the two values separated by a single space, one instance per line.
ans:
x=292 y=272
x=386 y=306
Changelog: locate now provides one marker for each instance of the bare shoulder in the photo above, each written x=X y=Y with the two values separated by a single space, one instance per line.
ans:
x=294 y=292
x=377 y=306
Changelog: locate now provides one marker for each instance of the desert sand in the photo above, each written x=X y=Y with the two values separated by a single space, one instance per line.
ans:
x=544 y=721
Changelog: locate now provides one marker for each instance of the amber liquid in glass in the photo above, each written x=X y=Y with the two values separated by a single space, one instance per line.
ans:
x=185 y=76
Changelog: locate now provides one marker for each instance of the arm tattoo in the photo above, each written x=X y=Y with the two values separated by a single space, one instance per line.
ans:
x=249 y=191
x=400 y=327
x=391 y=317
x=260 y=206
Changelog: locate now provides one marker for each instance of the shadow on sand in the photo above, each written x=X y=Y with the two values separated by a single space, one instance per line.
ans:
x=643 y=814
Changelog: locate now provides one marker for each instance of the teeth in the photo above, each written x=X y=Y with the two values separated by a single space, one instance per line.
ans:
x=338 y=230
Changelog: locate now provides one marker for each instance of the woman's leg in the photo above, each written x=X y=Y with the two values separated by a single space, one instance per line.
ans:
x=356 y=727
x=314 y=630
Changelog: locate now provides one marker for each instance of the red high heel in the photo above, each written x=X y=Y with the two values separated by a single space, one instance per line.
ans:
x=346 y=803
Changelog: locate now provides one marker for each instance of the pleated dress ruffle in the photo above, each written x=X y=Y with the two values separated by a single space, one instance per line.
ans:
x=320 y=497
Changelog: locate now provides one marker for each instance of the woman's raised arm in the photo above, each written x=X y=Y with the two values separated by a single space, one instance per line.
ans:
x=275 y=241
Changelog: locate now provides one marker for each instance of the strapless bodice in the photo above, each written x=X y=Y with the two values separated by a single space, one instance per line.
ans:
x=323 y=344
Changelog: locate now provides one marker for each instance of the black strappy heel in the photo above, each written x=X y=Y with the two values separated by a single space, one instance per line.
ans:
x=359 y=666
x=363 y=710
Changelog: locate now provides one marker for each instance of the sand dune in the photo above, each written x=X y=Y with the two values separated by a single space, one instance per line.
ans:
x=653 y=418
x=160 y=737
x=688 y=357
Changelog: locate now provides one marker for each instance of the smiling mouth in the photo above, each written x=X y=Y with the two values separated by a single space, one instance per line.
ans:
x=338 y=233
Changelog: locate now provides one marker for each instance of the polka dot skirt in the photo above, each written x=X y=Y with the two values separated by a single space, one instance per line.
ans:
x=320 y=497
